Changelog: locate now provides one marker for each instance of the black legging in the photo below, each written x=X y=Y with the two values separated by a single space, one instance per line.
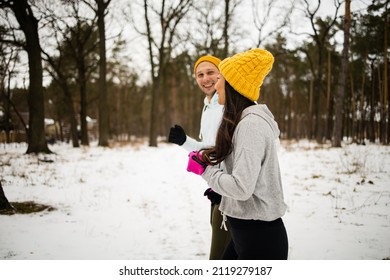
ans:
x=257 y=240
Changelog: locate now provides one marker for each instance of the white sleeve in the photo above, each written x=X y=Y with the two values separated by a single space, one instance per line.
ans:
x=192 y=145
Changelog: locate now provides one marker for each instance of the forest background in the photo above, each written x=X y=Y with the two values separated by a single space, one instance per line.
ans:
x=115 y=70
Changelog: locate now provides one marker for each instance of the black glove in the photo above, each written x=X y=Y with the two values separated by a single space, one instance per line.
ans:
x=214 y=197
x=177 y=135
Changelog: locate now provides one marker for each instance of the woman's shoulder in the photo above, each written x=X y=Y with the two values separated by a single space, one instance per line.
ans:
x=254 y=126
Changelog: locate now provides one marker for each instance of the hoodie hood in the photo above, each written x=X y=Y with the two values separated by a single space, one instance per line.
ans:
x=263 y=112
x=213 y=102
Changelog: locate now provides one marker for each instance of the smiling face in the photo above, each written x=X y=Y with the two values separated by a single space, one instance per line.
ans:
x=206 y=76
x=220 y=88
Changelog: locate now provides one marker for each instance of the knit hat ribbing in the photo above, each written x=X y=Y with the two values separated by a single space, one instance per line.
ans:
x=209 y=58
x=246 y=71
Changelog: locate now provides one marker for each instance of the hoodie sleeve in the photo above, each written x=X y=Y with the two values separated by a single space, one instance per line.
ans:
x=250 y=142
x=192 y=145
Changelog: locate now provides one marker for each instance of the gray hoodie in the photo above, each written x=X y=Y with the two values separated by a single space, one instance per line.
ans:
x=251 y=185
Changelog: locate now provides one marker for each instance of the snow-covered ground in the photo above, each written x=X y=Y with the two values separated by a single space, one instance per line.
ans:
x=134 y=202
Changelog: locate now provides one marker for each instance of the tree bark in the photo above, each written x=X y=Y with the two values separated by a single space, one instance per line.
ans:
x=153 y=111
x=225 y=29
x=339 y=98
x=328 y=93
x=362 y=126
x=4 y=204
x=29 y=25
x=83 y=100
x=385 y=106
x=371 y=124
x=103 y=107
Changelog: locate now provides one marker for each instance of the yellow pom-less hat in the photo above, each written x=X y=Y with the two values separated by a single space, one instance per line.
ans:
x=209 y=58
x=246 y=71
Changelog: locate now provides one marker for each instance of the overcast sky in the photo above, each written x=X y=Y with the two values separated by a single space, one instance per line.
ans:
x=118 y=19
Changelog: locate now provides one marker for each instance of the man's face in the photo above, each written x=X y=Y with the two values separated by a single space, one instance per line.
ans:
x=206 y=76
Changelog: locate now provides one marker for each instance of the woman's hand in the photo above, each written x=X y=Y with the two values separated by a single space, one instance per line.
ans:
x=195 y=163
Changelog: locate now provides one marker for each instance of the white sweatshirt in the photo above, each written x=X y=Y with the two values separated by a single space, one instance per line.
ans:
x=211 y=119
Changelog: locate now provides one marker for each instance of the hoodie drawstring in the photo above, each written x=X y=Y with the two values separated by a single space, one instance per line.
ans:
x=223 y=224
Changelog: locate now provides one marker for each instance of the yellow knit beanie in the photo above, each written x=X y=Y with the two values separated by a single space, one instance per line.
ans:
x=246 y=71
x=209 y=58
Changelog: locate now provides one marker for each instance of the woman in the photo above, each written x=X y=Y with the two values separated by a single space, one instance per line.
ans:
x=251 y=187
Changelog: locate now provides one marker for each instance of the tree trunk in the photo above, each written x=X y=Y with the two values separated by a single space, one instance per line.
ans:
x=154 y=108
x=103 y=107
x=319 y=99
x=72 y=118
x=154 y=115
x=311 y=113
x=83 y=103
x=225 y=29
x=29 y=25
x=361 y=127
x=169 y=18
x=371 y=127
x=354 y=110
x=385 y=106
x=7 y=111
x=4 y=204
x=328 y=91
x=166 y=84
x=339 y=98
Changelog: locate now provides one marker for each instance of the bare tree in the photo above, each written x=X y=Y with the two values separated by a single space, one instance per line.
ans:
x=55 y=67
x=29 y=25
x=322 y=31
x=272 y=13
x=9 y=104
x=8 y=59
x=216 y=27
x=103 y=109
x=75 y=37
x=385 y=75
x=386 y=111
x=104 y=126
x=208 y=26
x=59 y=65
x=160 y=46
x=340 y=92
x=226 y=29
x=230 y=6
x=82 y=44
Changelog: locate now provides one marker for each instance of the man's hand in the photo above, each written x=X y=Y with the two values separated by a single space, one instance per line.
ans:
x=177 y=135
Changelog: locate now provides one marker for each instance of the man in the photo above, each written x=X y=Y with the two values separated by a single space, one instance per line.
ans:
x=206 y=72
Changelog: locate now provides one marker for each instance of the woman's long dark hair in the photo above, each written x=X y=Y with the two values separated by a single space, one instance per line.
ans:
x=235 y=103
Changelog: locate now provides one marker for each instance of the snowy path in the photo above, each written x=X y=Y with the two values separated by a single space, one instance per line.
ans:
x=137 y=202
